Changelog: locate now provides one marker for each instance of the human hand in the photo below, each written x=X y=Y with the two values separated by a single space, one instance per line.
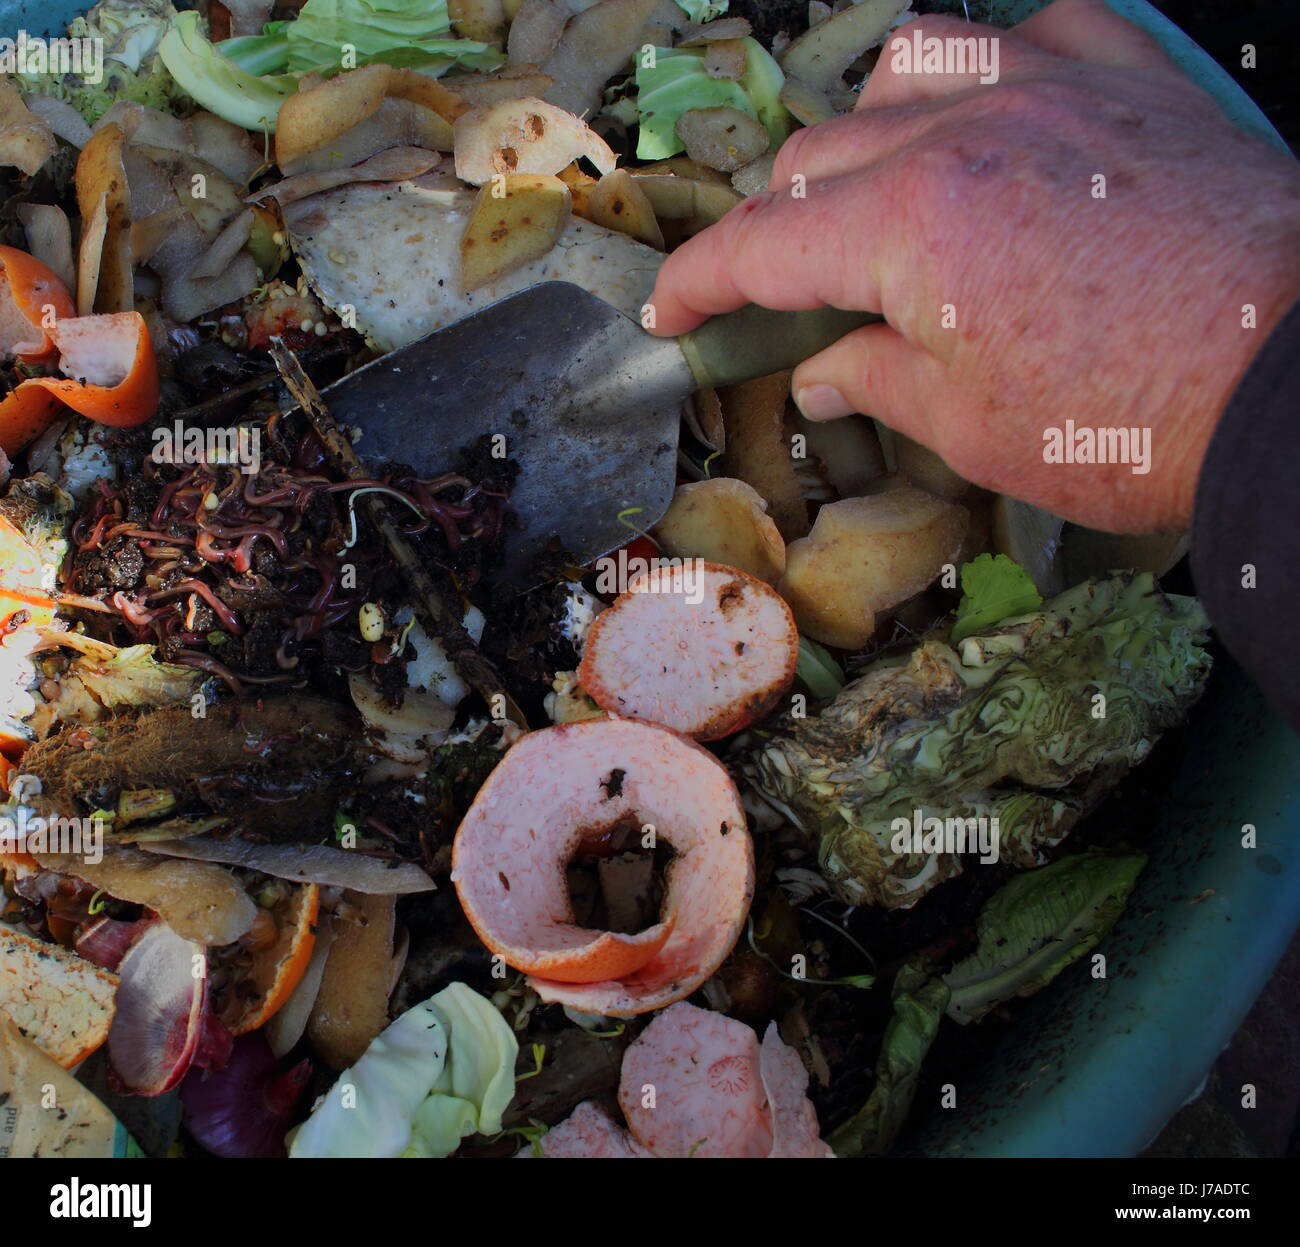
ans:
x=1016 y=296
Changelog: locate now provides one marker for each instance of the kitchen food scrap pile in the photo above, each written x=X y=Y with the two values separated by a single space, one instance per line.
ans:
x=320 y=838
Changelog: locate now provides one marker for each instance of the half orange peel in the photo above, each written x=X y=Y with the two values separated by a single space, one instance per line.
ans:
x=113 y=357
x=30 y=292
x=110 y=371
x=277 y=970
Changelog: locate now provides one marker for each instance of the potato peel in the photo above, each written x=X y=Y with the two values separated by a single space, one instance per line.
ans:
x=199 y=902
x=101 y=178
x=758 y=452
x=724 y=521
x=618 y=203
x=514 y=221
x=523 y=136
x=319 y=116
x=351 y=1007
x=820 y=56
x=864 y=555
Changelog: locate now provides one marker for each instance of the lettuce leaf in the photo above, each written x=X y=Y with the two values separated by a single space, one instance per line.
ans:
x=994 y=588
x=919 y=1001
x=133 y=677
x=440 y=1072
x=1038 y=924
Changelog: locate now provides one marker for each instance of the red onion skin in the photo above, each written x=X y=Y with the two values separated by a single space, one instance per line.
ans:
x=105 y=941
x=246 y=1108
x=215 y=1043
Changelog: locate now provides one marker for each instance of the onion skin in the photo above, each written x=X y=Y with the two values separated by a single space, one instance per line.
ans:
x=245 y=1108
x=105 y=940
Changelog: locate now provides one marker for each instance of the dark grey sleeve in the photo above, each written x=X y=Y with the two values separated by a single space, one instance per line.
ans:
x=1246 y=522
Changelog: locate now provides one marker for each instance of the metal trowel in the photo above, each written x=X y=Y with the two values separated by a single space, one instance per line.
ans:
x=587 y=403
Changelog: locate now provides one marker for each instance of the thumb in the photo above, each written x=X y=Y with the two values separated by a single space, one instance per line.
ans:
x=875 y=371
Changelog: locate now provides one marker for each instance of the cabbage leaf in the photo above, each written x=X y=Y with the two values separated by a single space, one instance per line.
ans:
x=1031 y=722
x=218 y=84
x=440 y=1072
x=674 y=81
x=245 y=80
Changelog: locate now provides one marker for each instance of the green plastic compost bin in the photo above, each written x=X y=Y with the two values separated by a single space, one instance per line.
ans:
x=1096 y=1067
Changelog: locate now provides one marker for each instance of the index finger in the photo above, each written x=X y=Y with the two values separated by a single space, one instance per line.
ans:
x=778 y=249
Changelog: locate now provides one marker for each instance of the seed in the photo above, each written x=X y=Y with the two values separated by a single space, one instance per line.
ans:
x=336 y=257
x=370 y=619
x=306 y=326
x=278 y=238
x=321 y=329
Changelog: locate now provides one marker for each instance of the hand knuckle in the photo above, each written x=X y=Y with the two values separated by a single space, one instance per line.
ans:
x=791 y=157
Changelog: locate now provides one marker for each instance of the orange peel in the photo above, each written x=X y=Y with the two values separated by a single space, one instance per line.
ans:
x=277 y=970
x=32 y=291
x=113 y=354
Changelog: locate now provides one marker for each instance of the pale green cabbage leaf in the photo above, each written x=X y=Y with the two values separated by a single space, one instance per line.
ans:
x=218 y=84
x=701 y=11
x=442 y=1071
x=246 y=79
x=674 y=81
x=409 y=34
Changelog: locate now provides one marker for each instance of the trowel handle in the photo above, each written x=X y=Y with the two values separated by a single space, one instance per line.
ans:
x=754 y=341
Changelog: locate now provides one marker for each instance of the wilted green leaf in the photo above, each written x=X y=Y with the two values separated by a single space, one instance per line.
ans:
x=819 y=673
x=1036 y=925
x=919 y=1002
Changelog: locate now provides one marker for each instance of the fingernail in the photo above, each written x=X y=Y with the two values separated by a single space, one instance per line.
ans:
x=822 y=402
